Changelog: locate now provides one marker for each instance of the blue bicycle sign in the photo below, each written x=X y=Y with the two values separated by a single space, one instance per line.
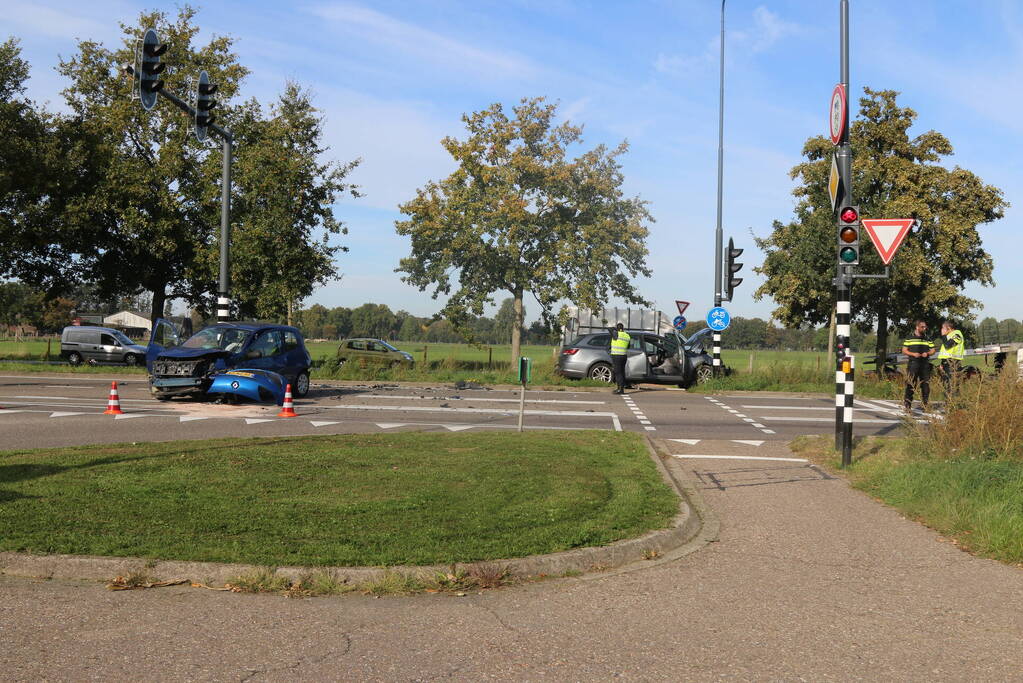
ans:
x=718 y=319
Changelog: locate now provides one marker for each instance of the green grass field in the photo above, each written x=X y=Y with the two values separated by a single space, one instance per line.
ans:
x=354 y=499
x=804 y=371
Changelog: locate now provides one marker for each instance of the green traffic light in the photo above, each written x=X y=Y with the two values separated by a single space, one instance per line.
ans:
x=847 y=255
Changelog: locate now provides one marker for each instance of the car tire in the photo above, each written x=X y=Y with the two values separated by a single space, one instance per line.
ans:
x=74 y=358
x=341 y=362
x=602 y=372
x=301 y=387
x=704 y=374
x=131 y=360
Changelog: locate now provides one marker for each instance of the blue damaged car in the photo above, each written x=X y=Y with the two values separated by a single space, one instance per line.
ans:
x=198 y=366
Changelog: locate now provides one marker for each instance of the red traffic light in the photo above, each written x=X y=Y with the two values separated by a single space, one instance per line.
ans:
x=848 y=235
x=849 y=215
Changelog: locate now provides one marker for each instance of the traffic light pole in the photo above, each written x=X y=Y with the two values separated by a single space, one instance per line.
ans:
x=718 y=236
x=844 y=387
x=227 y=138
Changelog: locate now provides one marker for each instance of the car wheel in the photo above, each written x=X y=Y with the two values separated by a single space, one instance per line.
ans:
x=131 y=360
x=704 y=373
x=301 y=384
x=602 y=372
x=74 y=358
x=341 y=362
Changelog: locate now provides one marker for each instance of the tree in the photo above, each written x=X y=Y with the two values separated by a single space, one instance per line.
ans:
x=518 y=216
x=505 y=321
x=20 y=304
x=893 y=176
x=284 y=198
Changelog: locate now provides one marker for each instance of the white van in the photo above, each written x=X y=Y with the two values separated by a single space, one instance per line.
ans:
x=99 y=345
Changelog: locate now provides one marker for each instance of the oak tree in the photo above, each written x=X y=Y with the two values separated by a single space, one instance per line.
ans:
x=519 y=215
x=894 y=176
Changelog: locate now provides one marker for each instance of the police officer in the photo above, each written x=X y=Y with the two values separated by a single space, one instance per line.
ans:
x=951 y=349
x=918 y=369
x=619 y=349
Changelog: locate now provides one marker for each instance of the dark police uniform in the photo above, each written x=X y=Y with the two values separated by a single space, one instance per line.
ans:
x=918 y=370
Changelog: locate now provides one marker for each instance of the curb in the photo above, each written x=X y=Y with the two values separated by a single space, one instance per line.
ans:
x=693 y=527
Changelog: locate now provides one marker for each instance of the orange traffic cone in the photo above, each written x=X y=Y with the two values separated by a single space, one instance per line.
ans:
x=114 y=404
x=289 y=408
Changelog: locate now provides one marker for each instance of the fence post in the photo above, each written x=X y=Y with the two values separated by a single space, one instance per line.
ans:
x=490 y=357
x=425 y=347
x=751 y=362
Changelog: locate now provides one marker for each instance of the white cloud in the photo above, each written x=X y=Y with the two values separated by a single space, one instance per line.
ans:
x=768 y=29
x=422 y=43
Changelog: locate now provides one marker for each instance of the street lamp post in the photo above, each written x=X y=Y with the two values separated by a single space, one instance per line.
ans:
x=721 y=160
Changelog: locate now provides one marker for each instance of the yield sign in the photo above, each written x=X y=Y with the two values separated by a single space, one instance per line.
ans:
x=682 y=306
x=887 y=234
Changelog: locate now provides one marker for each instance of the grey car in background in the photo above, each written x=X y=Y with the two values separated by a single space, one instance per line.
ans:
x=99 y=345
x=653 y=358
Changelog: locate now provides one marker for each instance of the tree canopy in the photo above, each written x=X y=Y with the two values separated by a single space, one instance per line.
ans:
x=894 y=176
x=129 y=200
x=519 y=215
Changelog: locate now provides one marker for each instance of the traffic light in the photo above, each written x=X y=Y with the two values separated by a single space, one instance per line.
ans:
x=731 y=268
x=204 y=104
x=849 y=236
x=150 y=69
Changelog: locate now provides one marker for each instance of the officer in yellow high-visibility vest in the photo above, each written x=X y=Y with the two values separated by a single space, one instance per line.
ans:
x=951 y=349
x=619 y=352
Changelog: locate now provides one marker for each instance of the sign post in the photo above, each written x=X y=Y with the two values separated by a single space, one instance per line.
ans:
x=525 y=374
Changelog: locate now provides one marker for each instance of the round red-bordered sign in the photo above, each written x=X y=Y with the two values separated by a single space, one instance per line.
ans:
x=836 y=113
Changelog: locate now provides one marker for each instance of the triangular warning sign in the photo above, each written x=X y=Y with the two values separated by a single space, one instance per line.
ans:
x=887 y=234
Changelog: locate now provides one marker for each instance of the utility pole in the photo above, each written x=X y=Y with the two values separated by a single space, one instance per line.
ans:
x=718 y=238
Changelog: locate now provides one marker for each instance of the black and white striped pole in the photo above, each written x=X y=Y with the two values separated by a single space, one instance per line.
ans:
x=717 y=353
x=848 y=250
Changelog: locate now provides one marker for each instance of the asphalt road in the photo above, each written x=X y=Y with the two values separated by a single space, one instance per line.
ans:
x=67 y=410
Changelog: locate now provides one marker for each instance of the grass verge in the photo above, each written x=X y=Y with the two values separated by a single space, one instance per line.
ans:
x=961 y=475
x=347 y=500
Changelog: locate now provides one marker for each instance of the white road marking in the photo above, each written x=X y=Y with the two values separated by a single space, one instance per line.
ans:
x=470 y=398
x=739 y=457
x=691 y=442
x=128 y=416
x=489 y=411
x=616 y=422
x=766 y=418
x=253 y=420
x=758 y=425
x=83 y=398
x=390 y=425
x=7 y=411
x=748 y=443
x=644 y=422
x=768 y=431
x=789 y=407
x=322 y=424
x=60 y=414
x=457 y=428
x=190 y=418
x=650 y=429
x=748 y=419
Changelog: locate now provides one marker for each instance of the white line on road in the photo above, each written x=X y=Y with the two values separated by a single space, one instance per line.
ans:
x=489 y=411
x=470 y=398
x=739 y=457
x=857 y=420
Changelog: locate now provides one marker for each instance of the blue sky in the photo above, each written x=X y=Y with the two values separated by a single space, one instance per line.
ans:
x=392 y=78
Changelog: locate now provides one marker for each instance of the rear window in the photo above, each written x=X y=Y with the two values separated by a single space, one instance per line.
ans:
x=600 y=341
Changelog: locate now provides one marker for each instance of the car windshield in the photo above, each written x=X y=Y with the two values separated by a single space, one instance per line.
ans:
x=387 y=346
x=226 y=338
